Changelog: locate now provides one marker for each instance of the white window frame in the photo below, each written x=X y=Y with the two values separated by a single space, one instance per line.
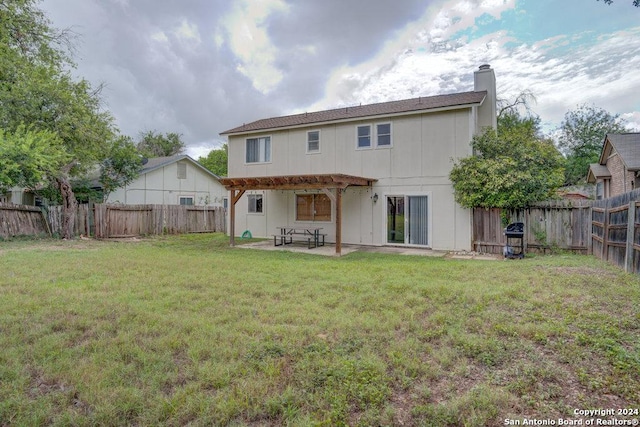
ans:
x=390 y=135
x=368 y=147
x=406 y=195
x=255 y=197
x=264 y=155
x=181 y=198
x=309 y=151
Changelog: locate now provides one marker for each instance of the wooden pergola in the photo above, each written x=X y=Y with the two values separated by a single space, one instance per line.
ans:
x=333 y=185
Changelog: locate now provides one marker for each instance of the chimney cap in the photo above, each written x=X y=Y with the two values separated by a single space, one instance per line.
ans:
x=485 y=67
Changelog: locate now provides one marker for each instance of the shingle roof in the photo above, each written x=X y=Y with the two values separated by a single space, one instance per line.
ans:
x=596 y=170
x=154 y=163
x=627 y=145
x=351 y=113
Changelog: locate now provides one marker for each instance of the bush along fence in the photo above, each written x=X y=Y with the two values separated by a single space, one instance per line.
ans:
x=111 y=221
x=608 y=229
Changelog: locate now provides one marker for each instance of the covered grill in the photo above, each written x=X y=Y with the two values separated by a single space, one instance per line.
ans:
x=515 y=240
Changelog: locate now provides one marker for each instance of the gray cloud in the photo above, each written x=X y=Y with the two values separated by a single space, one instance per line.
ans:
x=200 y=67
x=156 y=79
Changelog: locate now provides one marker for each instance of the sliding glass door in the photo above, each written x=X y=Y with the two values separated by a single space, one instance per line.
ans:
x=408 y=220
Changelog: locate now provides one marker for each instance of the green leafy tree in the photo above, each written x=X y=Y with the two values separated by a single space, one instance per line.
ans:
x=216 y=161
x=511 y=168
x=155 y=144
x=121 y=165
x=37 y=90
x=28 y=158
x=581 y=135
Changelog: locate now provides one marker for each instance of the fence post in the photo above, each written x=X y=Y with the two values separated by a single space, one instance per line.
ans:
x=605 y=235
x=525 y=237
x=45 y=219
x=589 y=230
x=631 y=227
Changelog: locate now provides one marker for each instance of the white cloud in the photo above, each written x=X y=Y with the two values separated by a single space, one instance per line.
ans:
x=188 y=32
x=633 y=120
x=421 y=60
x=425 y=60
x=248 y=39
x=160 y=37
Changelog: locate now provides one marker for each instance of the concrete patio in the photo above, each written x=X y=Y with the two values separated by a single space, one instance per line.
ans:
x=330 y=250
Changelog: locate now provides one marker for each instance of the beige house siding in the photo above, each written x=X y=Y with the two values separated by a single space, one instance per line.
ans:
x=162 y=186
x=418 y=163
x=420 y=144
x=425 y=143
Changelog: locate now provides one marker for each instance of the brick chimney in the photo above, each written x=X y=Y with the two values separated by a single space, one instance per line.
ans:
x=485 y=79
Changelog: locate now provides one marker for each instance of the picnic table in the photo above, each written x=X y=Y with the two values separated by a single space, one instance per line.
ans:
x=288 y=235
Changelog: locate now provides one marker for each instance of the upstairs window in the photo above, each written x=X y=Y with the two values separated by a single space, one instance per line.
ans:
x=255 y=203
x=364 y=136
x=258 y=150
x=313 y=141
x=383 y=134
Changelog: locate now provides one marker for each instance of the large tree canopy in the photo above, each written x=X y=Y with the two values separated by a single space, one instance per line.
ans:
x=511 y=168
x=216 y=161
x=29 y=157
x=581 y=135
x=38 y=91
x=155 y=144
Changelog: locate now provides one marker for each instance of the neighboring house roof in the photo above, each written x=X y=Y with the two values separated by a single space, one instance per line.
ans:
x=574 y=195
x=597 y=171
x=406 y=106
x=627 y=145
x=159 y=162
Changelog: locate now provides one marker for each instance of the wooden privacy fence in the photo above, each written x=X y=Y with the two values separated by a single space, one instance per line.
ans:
x=138 y=220
x=608 y=229
x=83 y=223
x=616 y=230
x=20 y=220
x=548 y=225
x=106 y=220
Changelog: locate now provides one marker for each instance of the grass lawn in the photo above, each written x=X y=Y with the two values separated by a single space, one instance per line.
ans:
x=184 y=330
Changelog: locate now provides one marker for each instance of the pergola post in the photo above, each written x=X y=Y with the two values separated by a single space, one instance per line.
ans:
x=232 y=219
x=232 y=215
x=338 y=221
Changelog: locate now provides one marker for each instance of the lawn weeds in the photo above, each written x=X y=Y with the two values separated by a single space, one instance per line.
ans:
x=184 y=330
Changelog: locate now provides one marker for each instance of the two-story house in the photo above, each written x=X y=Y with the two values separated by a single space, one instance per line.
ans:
x=618 y=170
x=369 y=175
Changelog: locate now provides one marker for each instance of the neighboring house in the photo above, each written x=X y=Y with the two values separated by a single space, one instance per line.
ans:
x=175 y=180
x=369 y=175
x=18 y=196
x=618 y=170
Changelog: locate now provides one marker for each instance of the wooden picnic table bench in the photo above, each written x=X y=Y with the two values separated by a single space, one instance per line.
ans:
x=288 y=235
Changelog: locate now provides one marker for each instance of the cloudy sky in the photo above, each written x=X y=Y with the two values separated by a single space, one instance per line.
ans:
x=200 y=67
